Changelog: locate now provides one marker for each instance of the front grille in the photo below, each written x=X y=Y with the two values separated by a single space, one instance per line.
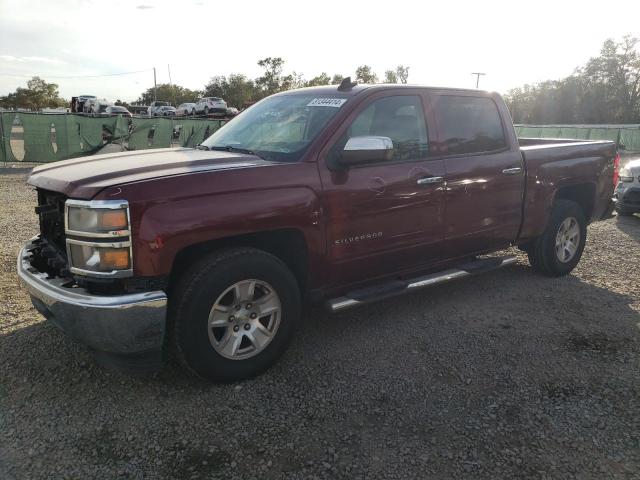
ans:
x=50 y=252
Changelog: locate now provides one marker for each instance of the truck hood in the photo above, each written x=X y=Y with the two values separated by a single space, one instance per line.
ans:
x=83 y=178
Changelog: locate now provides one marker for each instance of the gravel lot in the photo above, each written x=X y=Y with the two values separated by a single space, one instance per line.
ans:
x=508 y=375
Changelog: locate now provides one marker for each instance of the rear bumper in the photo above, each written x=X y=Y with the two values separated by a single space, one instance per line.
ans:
x=130 y=326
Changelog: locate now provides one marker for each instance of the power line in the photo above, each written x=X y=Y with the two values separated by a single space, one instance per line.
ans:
x=79 y=76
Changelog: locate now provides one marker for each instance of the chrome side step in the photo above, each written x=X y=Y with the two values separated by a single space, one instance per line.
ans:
x=398 y=287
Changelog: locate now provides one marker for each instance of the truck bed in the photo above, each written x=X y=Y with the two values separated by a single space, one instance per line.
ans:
x=553 y=163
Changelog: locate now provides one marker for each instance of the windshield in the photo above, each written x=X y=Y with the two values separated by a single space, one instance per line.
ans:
x=278 y=128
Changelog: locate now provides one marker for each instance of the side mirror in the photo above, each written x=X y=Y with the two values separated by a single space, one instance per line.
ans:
x=366 y=149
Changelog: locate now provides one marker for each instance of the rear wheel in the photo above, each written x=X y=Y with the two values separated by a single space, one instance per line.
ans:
x=559 y=249
x=234 y=313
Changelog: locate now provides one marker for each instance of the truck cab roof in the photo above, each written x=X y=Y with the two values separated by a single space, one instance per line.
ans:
x=359 y=88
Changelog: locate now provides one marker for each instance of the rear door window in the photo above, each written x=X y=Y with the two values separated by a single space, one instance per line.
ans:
x=468 y=125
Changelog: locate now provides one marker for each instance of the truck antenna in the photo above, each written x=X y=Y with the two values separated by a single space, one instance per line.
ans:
x=346 y=85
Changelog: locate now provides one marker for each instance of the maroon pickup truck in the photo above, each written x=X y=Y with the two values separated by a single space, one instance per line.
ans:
x=345 y=195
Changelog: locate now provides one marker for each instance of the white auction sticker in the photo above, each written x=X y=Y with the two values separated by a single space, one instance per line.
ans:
x=327 y=102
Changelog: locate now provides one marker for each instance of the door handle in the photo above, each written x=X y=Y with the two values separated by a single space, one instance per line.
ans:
x=429 y=180
x=512 y=171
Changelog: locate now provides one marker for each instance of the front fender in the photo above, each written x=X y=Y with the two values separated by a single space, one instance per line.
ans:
x=164 y=229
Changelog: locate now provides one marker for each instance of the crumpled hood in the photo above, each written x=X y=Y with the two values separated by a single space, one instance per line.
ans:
x=84 y=177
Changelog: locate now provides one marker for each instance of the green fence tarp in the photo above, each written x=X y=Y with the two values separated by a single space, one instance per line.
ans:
x=33 y=137
x=150 y=133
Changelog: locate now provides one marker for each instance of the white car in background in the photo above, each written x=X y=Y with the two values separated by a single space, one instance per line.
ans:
x=153 y=108
x=211 y=106
x=165 y=111
x=185 y=109
x=96 y=106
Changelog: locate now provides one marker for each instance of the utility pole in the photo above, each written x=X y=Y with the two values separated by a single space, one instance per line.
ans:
x=155 y=87
x=173 y=92
x=477 y=74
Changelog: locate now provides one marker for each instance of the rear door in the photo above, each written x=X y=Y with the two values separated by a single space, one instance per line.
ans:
x=484 y=172
x=383 y=217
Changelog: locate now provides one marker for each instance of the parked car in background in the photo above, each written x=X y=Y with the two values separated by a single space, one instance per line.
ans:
x=151 y=111
x=627 y=196
x=114 y=110
x=211 y=106
x=329 y=193
x=165 y=111
x=96 y=106
x=185 y=109
x=77 y=103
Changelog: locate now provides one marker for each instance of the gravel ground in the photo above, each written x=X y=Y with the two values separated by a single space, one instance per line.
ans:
x=508 y=375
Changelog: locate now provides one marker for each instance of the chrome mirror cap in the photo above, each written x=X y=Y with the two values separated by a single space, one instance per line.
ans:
x=369 y=142
x=366 y=149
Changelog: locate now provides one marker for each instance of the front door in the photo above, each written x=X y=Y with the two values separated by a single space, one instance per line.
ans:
x=387 y=216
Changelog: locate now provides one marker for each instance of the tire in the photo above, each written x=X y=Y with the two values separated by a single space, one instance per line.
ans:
x=207 y=284
x=542 y=252
x=193 y=112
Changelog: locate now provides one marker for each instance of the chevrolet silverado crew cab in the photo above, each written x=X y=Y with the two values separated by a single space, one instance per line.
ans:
x=344 y=195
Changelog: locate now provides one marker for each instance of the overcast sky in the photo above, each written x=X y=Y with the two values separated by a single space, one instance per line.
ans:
x=442 y=42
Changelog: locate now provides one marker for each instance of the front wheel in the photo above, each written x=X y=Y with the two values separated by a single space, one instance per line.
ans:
x=559 y=249
x=234 y=313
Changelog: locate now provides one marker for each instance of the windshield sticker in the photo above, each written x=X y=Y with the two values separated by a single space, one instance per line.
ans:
x=327 y=102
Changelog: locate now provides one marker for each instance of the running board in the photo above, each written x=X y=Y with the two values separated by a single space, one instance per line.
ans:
x=398 y=287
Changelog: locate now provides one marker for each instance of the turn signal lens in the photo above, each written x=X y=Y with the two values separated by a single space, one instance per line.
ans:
x=114 y=258
x=113 y=220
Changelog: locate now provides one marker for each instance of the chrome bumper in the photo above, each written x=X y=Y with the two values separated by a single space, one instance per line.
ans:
x=120 y=324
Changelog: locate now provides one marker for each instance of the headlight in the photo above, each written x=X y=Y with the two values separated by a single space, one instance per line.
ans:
x=98 y=237
x=625 y=175
x=88 y=221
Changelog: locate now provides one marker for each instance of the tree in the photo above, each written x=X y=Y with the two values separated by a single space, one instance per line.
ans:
x=402 y=73
x=364 y=74
x=617 y=72
x=174 y=94
x=605 y=90
x=120 y=103
x=38 y=94
x=336 y=79
x=272 y=80
x=237 y=90
x=322 y=79
x=390 y=76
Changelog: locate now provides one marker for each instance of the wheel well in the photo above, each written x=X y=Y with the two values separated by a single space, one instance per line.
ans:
x=287 y=244
x=583 y=195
